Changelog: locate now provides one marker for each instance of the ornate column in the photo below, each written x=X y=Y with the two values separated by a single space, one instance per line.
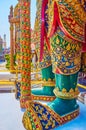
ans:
x=25 y=52
x=11 y=40
x=11 y=48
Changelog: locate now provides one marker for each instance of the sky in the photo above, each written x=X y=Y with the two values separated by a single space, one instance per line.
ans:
x=4 y=12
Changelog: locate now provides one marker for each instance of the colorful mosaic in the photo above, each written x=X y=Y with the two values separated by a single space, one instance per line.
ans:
x=43 y=98
x=83 y=3
x=65 y=54
x=83 y=63
x=65 y=50
x=46 y=61
x=25 y=51
x=67 y=13
x=67 y=42
x=76 y=30
x=66 y=95
x=43 y=118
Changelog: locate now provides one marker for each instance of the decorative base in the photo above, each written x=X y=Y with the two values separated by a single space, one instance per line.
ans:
x=43 y=98
x=23 y=102
x=44 y=93
x=41 y=117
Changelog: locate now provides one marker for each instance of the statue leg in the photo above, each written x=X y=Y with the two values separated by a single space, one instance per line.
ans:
x=66 y=64
x=63 y=109
x=66 y=92
x=66 y=58
x=46 y=91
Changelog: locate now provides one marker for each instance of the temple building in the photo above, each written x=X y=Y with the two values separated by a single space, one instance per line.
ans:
x=2 y=47
x=1 y=44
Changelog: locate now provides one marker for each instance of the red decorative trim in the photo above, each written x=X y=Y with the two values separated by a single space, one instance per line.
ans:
x=43 y=98
x=33 y=118
x=56 y=20
x=55 y=23
x=63 y=119
x=42 y=28
x=37 y=121
x=84 y=44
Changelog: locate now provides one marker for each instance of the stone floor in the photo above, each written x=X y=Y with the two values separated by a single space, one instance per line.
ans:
x=11 y=115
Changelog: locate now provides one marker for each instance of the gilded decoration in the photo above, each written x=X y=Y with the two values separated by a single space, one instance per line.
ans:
x=77 y=5
x=46 y=61
x=41 y=117
x=83 y=63
x=37 y=27
x=64 y=94
x=50 y=15
x=43 y=98
x=65 y=54
x=11 y=27
x=49 y=82
x=33 y=122
x=17 y=11
x=71 y=16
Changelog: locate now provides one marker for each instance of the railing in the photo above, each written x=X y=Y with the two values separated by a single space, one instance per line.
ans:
x=8 y=77
x=35 y=77
x=16 y=76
